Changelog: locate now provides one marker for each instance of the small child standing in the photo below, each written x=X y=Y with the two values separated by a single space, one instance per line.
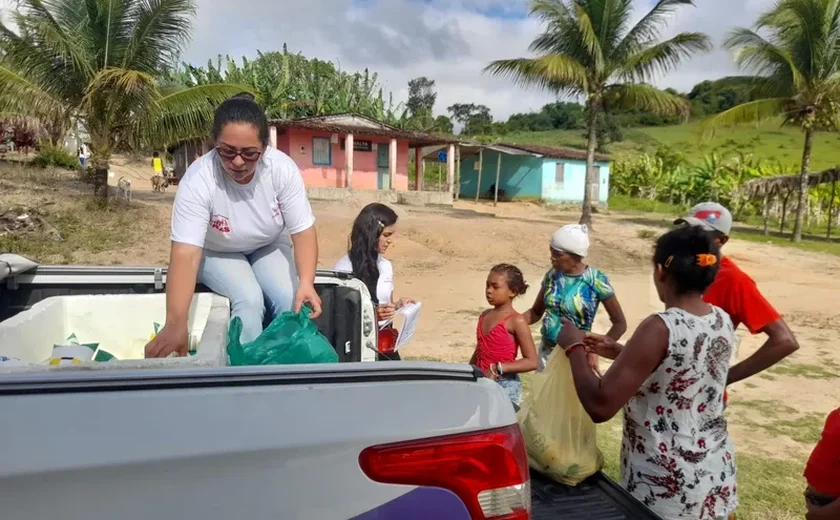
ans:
x=502 y=332
x=157 y=164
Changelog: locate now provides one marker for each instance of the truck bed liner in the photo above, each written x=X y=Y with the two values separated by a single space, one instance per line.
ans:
x=597 y=498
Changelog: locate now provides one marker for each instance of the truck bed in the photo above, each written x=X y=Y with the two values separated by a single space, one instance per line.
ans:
x=597 y=498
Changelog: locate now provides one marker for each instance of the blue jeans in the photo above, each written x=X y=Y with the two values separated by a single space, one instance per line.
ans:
x=512 y=387
x=250 y=281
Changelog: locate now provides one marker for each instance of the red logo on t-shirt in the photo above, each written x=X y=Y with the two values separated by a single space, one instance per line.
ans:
x=220 y=223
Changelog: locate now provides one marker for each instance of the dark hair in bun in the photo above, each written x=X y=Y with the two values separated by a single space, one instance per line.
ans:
x=690 y=257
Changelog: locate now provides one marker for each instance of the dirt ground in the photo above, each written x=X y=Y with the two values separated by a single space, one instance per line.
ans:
x=441 y=258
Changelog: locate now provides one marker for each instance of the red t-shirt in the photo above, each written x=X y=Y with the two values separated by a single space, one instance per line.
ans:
x=823 y=469
x=736 y=293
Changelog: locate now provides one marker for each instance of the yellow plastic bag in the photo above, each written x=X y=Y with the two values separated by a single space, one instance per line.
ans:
x=559 y=434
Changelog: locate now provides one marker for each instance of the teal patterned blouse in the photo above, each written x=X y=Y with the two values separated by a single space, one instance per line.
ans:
x=574 y=297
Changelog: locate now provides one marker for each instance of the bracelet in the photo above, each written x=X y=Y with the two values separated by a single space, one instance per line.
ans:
x=572 y=347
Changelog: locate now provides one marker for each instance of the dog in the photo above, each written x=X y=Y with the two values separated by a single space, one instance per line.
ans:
x=124 y=189
x=160 y=183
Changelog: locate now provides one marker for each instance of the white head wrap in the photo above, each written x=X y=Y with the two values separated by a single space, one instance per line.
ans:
x=573 y=238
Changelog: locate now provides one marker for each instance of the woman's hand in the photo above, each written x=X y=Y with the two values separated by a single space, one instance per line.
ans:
x=306 y=293
x=601 y=345
x=171 y=338
x=594 y=362
x=386 y=311
x=569 y=334
x=402 y=302
x=491 y=373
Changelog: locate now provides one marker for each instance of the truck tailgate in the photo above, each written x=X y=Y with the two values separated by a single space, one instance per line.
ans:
x=205 y=444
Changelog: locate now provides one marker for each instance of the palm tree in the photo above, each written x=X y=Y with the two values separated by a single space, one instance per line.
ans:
x=797 y=74
x=589 y=48
x=96 y=62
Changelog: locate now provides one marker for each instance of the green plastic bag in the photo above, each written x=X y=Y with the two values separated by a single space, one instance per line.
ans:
x=291 y=339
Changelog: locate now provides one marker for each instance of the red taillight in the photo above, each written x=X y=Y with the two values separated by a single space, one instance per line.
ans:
x=488 y=470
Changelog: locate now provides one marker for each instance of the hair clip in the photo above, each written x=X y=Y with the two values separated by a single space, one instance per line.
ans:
x=380 y=224
x=668 y=261
x=706 y=260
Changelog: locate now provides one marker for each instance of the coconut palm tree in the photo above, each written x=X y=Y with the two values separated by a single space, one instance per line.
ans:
x=796 y=63
x=590 y=48
x=96 y=61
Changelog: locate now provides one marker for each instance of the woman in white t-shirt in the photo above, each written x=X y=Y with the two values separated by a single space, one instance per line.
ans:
x=372 y=235
x=242 y=226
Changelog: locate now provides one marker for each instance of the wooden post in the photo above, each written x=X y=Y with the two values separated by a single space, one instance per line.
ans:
x=784 y=212
x=392 y=164
x=480 y=165
x=765 y=212
x=498 y=174
x=450 y=168
x=418 y=168
x=348 y=160
x=272 y=132
x=440 y=176
x=831 y=207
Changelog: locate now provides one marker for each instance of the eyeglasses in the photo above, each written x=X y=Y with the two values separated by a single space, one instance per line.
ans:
x=230 y=154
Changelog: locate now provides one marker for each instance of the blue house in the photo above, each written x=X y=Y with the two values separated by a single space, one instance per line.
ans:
x=526 y=172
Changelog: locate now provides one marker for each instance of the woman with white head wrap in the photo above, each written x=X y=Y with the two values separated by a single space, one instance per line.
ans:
x=574 y=291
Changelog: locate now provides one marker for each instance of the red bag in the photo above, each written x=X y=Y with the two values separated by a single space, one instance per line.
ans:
x=387 y=340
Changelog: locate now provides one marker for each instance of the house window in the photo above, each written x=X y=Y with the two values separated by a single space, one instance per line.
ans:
x=560 y=175
x=321 y=151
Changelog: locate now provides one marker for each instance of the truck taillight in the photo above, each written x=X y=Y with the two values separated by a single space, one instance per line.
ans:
x=487 y=470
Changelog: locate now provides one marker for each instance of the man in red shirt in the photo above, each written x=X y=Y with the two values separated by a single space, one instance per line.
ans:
x=736 y=293
x=822 y=473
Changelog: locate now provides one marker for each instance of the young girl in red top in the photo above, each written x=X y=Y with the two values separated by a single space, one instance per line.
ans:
x=502 y=332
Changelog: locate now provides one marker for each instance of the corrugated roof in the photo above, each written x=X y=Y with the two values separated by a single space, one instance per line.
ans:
x=557 y=152
x=361 y=125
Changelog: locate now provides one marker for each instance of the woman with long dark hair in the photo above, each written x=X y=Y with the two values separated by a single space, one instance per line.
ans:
x=372 y=235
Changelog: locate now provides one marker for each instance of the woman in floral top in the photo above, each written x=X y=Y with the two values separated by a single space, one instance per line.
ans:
x=573 y=290
x=676 y=454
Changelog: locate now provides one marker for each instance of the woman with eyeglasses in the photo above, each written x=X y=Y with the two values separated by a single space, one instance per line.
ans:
x=242 y=226
x=573 y=290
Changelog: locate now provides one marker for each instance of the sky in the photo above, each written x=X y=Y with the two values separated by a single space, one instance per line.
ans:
x=449 y=41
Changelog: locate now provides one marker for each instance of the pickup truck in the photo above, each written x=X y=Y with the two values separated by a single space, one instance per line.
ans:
x=353 y=440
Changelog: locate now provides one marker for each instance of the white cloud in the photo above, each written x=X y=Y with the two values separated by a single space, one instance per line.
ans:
x=450 y=41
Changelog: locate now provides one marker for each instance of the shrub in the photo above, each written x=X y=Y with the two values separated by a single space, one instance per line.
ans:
x=55 y=156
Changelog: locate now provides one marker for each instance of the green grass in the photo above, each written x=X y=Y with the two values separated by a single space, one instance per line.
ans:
x=805 y=370
x=768 y=141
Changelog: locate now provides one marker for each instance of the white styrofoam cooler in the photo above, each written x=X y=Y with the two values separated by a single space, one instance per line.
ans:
x=121 y=324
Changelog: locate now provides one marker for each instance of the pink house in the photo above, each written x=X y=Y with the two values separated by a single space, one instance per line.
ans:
x=354 y=151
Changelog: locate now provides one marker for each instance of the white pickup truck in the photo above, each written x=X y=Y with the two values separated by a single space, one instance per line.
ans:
x=354 y=440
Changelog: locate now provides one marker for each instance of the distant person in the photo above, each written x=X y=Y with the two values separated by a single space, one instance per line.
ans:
x=372 y=235
x=822 y=496
x=157 y=164
x=676 y=455
x=736 y=293
x=82 y=156
x=573 y=290
x=502 y=333
x=242 y=226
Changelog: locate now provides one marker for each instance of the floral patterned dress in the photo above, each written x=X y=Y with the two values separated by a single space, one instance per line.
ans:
x=676 y=454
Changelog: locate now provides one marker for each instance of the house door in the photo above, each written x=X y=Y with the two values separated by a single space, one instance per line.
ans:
x=595 y=187
x=383 y=171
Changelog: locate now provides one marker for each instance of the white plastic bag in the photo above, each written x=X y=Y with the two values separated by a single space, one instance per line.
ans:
x=559 y=434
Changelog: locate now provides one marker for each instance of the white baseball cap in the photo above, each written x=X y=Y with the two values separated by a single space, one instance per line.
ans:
x=573 y=238
x=710 y=216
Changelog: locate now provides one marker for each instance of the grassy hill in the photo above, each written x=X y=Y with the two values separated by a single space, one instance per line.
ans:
x=768 y=141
